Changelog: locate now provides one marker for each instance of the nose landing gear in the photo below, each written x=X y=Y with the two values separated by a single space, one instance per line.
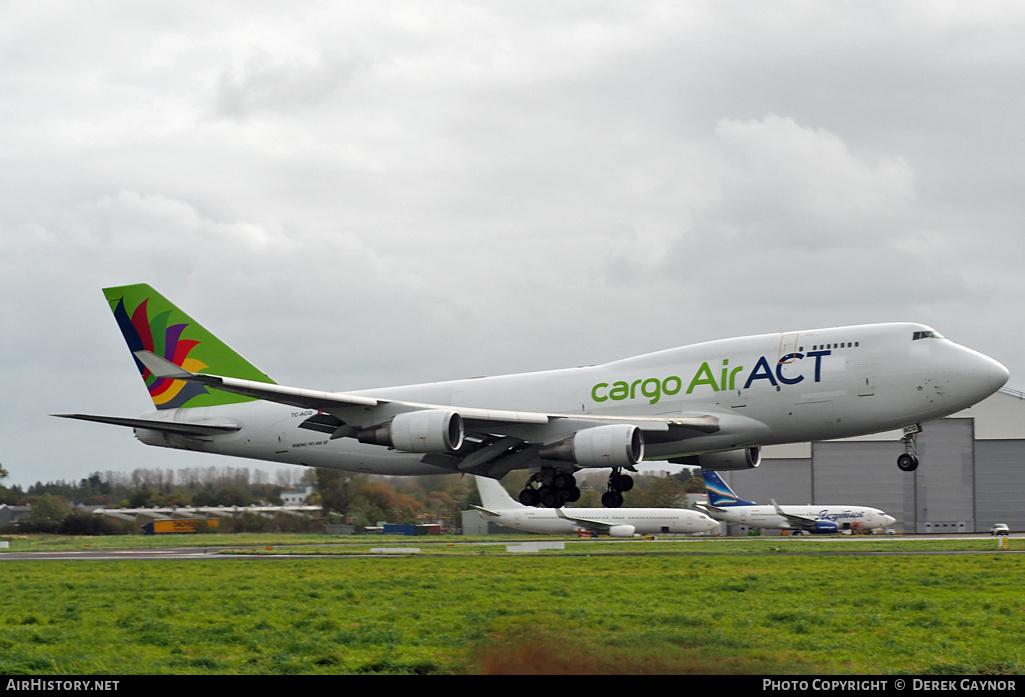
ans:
x=908 y=462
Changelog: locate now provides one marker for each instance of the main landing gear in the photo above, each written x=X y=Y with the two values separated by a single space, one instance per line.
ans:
x=908 y=462
x=557 y=488
x=618 y=483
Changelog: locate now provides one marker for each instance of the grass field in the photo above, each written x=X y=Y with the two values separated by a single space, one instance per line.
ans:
x=699 y=606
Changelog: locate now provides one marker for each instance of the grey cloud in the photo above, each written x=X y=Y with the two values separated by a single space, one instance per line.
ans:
x=360 y=194
x=265 y=82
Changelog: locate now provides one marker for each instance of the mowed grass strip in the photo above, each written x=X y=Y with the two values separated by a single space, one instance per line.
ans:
x=325 y=544
x=498 y=614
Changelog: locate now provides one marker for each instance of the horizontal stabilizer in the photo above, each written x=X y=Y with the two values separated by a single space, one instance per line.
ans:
x=157 y=424
x=296 y=397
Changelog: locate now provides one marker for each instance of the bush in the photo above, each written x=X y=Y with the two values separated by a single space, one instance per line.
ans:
x=82 y=523
x=47 y=514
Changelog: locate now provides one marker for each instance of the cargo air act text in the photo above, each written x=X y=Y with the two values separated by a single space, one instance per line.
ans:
x=787 y=372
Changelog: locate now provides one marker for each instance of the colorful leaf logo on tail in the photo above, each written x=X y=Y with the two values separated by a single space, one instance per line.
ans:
x=151 y=322
x=153 y=334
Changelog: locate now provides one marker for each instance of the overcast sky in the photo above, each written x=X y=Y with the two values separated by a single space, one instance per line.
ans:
x=360 y=194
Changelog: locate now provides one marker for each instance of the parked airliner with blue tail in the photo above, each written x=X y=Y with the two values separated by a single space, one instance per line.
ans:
x=724 y=504
x=713 y=404
x=499 y=507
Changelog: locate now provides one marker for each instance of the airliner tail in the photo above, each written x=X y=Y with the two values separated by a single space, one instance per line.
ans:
x=720 y=494
x=150 y=322
x=493 y=495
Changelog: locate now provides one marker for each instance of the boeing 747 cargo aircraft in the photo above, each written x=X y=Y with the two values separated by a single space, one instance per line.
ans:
x=712 y=404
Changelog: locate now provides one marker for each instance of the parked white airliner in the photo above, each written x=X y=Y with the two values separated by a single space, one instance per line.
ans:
x=724 y=504
x=712 y=404
x=500 y=507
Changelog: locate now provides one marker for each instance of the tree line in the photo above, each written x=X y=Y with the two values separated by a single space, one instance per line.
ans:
x=359 y=500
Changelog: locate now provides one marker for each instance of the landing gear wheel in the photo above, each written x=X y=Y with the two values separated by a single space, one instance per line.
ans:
x=612 y=499
x=550 y=497
x=555 y=488
x=562 y=480
x=907 y=462
x=618 y=483
x=529 y=497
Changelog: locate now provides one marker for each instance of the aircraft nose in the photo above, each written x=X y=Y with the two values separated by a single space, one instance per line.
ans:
x=996 y=374
x=888 y=520
x=987 y=375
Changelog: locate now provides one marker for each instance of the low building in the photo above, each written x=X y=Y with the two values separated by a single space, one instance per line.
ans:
x=13 y=514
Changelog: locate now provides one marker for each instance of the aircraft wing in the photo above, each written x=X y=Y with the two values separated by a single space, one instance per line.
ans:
x=796 y=521
x=496 y=441
x=355 y=411
x=595 y=526
x=179 y=427
x=710 y=509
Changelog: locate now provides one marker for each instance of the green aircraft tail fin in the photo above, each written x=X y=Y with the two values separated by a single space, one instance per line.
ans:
x=151 y=322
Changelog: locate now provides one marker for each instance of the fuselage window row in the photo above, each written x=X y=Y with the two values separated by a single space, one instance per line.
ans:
x=849 y=344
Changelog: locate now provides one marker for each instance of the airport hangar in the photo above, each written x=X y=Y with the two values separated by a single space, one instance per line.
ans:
x=972 y=471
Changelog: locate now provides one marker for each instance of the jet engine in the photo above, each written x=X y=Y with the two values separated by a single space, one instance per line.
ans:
x=615 y=445
x=426 y=431
x=622 y=531
x=825 y=527
x=744 y=459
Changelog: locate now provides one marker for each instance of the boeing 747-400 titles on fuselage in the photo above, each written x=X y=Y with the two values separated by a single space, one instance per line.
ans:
x=712 y=404
x=725 y=505
x=500 y=507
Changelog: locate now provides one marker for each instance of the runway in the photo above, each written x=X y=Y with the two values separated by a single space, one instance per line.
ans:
x=688 y=546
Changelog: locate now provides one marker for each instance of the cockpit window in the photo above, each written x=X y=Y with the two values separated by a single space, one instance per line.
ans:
x=926 y=335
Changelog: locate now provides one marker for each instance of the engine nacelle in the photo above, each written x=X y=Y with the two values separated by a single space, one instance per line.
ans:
x=622 y=531
x=744 y=459
x=825 y=527
x=615 y=445
x=427 y=431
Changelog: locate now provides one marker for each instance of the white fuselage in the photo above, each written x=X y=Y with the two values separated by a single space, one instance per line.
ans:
x=645 y=521
x=758 y=516
x=768 y=389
